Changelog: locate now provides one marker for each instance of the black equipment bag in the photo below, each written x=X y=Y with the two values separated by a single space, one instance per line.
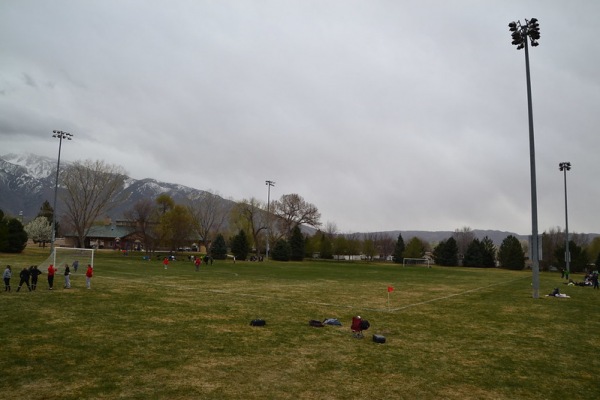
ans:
x=316 y=323
x=379 y=338
x=258 y=322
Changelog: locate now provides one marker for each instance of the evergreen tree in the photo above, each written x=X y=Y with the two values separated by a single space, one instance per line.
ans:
x=47 y=212
x=239 y=245
x=16 y=237
x=446 y=253
x=296 y=245
x=489 y=253
x=578 y=257
x=282 y=250
x=598 y=261
x=474 y=254
x=3 y=232
x=218 y=250
x=511 y=254
x=399 y=250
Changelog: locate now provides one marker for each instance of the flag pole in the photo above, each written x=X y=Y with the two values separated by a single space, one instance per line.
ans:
x=388 y=300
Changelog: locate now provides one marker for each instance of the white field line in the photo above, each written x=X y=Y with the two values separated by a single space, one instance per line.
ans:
x=452 y=295
x=230 y=293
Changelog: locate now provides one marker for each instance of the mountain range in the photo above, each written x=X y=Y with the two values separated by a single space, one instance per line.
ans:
x=27 y=180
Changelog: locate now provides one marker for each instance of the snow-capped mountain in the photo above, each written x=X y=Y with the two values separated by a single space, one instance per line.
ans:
x=27 y=180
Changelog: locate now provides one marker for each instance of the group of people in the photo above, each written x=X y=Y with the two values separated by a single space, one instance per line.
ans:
x=195 y=259
x=32 y=273
x=26 y=273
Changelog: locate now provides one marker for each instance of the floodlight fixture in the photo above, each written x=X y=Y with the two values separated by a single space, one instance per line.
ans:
x=564 y=166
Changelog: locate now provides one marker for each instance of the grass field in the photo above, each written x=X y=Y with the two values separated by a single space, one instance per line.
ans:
x=145 y=333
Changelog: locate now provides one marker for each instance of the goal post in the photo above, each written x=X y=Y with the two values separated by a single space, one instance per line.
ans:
x=73 y=256
x=416 y=261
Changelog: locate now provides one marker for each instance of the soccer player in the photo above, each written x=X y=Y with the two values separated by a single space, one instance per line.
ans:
x=88 y=276
x=24 y=275
x=51 y=272
x=7 y=275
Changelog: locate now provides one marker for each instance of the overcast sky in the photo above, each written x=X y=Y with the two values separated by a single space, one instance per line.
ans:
x=386 y=115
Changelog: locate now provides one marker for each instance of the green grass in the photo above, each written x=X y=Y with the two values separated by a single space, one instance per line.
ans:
x=146 y=333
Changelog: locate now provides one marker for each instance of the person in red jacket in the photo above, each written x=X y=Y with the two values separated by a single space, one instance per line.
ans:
x=51 y=272
x=166 y=262
x=88 y=276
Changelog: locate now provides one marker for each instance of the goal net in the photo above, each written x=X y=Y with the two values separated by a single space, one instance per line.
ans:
x=416 y=261
x=77 y=259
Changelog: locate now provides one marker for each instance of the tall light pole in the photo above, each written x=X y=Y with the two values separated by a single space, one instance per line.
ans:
x=269 y=184
x=566 y=166
x=520 y=34
x=60 y=135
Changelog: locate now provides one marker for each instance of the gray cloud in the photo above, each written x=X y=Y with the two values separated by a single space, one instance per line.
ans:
x=385 y=114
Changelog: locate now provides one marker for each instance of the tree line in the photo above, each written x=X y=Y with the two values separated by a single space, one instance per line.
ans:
x=249 y=225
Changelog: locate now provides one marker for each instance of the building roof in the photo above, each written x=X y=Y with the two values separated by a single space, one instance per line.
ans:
x=108 y=231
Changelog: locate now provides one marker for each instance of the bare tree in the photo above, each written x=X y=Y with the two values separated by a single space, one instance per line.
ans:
x=292 y=210
x=145 y=216
x=385 y=244
x=90 y=189
x=209 y=213
x=368 y=246
x=250 y=215
x=331 y=229
x=463 y=236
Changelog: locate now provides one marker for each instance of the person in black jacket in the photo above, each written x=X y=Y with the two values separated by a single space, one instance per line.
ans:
x=67 y=277
x=24 y=279
x=35 y=272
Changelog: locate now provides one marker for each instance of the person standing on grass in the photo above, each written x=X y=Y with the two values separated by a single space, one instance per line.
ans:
x=7 y=275
x=51 y=272
x=35 y=273
x=595 y=280
x=197 y=263
x=166 y=262
x=24 y=275
x=67 y=277
x=88 y=276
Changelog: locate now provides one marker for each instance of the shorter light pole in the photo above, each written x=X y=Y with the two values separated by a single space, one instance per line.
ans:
x=269 y=184
x=60 y=135
x=564 y=167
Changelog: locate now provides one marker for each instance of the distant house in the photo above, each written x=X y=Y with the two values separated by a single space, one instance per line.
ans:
x=112 y=236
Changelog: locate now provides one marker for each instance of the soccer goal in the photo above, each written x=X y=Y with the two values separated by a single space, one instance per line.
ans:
x=416 y=261
x=75 y=257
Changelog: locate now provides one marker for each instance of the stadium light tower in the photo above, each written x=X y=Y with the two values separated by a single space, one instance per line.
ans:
x=520 y=35
x=269 y=184
x=566 y=166
x=60 y=135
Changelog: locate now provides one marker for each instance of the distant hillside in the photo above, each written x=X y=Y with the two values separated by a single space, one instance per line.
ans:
x=437 y=236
